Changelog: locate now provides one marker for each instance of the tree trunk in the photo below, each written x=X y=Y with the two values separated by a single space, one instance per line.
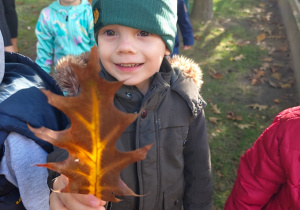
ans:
x=202 y=10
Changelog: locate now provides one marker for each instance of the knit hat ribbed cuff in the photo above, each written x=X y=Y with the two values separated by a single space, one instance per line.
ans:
x=154 y=16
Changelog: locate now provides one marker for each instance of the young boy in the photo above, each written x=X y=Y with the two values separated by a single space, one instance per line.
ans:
x=65 y=27
x=134 y=36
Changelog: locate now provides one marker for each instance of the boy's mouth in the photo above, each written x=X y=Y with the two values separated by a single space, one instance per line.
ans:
x=129 y=64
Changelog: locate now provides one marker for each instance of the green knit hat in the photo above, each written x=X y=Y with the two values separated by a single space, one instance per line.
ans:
x=154 y=16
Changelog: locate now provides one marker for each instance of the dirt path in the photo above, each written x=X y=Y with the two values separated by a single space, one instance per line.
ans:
x=278 y=82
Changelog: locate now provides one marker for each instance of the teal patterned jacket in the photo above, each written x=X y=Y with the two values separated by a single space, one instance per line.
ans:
x=63 y=30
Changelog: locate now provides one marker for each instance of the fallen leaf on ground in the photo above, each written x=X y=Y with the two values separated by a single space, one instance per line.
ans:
x=219 y=173
x=265 y=66
x=282 y=49
x=285 y=85
x=268 y=16
x=242 y=43
x=278 y=65
x=276 y=75
x=213 y=120
x=237 y=58
x=233 y=116
x=214 y=74
x=276 y=100
x=197 y=37
x=244 y=126
x=258 y=106
x=276 y=37
x=261 y=37
x=267 y=59
x=215 y=108
x=273 y=69
x=273 y=84
x=257 y=77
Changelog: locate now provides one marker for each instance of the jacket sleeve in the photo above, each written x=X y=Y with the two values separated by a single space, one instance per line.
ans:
x=18 y=168
x=45 y=44
x=197 y=171
x=185 y=24
x=260 y=173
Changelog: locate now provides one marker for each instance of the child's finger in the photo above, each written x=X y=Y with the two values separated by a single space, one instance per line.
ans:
x=55 y=203
x=60 y=182
x=75 y=201
x=89 y=200
x=70 y=201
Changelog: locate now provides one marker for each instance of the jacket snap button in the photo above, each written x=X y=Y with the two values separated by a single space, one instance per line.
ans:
x=177 y=202
x=152 y=88
x=128 y=94
x=144 y=114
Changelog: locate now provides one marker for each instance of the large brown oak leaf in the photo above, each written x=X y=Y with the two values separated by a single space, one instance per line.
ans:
x=94 y=164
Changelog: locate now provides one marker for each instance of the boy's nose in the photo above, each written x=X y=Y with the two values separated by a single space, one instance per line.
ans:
x=126 y=45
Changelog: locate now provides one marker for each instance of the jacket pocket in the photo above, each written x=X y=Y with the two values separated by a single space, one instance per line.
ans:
x=173 y=196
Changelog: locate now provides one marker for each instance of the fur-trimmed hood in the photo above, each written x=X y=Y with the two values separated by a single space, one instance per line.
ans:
x=67 y=80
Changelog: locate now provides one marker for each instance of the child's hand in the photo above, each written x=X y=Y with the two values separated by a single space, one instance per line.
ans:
x=71 y=201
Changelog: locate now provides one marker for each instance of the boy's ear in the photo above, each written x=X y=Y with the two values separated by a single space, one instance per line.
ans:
x=167 y=51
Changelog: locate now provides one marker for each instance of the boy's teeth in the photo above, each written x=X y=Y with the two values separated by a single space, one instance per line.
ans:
x=128 y=65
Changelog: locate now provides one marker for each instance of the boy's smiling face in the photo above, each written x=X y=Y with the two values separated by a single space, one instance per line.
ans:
x=131 y=55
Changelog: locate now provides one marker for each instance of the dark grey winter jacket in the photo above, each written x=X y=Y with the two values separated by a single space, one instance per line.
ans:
x=176 y=171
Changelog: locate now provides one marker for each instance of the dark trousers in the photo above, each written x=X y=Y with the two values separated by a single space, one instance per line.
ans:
x=11 y=17
x=3 y=26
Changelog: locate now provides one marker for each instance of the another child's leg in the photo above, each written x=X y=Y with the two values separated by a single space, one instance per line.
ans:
x=12 y=21
x=4 y=29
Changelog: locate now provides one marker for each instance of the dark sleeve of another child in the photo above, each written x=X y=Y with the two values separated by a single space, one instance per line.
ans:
x=197 y=172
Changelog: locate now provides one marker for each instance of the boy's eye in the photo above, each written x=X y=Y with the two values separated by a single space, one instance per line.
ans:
x=110 y=33
x=144 y=33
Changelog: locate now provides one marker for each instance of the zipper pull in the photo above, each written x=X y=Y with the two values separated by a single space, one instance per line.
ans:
x=67 y=18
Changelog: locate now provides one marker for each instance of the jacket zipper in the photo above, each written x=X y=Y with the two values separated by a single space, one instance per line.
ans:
x=139 y=166
x=158 y=159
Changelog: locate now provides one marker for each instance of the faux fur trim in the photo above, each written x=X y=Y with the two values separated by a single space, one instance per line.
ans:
x=67 y=80
x=189 y=68
x=65 y=76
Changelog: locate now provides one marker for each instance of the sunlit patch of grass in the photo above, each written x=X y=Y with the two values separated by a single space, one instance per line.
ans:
x=232 y=8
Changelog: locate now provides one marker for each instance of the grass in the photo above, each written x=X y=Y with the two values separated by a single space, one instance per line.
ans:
x=214 y=50
x=28 y=13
